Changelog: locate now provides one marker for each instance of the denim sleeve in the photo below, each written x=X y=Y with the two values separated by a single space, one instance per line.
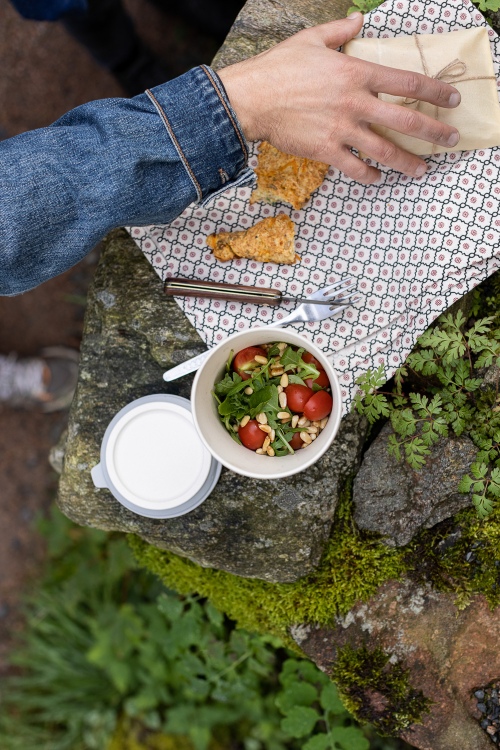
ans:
x=111 y=163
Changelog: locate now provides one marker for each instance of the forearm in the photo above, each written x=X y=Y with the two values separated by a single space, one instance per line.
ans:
x=109 y=163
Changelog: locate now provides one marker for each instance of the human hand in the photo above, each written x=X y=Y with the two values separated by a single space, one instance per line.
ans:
x=310 y=100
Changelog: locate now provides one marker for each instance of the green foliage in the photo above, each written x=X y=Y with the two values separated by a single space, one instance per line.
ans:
x=483 y=484
x=353 y=566
x=444 y=365
x=365 y=6
x=377 y=691
x=110 y=659
x=311 y=703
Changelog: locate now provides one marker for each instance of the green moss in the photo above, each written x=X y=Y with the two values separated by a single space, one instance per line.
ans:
x=376 y=691
x=353 y=566
x=461 y=556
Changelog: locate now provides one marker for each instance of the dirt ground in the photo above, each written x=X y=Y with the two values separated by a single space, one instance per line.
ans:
x=45 y=73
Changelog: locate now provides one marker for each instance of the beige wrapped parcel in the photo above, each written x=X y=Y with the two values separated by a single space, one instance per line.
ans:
x=461 y=58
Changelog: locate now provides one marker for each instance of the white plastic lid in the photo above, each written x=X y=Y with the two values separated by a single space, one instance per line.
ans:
x=154 y=456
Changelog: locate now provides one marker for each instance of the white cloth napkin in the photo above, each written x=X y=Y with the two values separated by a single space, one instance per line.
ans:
x=414 y=246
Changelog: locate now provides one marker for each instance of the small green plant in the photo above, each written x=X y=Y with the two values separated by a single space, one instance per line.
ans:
x=110 y=655
x=484 y=484
x=313 y=709
x=444 y=365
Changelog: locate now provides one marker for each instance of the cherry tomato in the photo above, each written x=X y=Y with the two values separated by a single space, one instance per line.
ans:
x=251 y=435
x=307 y=357
x=296 y=442
x=321 y=380
x=319 y=406
x=244 y=361
x=297 y=396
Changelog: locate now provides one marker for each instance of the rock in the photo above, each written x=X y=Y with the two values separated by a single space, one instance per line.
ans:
x=57 y=452
x=274 y=530
x=396 y=501
x=448 y=653
x=491 y=378
x=263 y=23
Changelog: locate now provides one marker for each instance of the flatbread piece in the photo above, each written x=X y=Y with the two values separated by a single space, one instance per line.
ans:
x=271 y=240
x=286 y=178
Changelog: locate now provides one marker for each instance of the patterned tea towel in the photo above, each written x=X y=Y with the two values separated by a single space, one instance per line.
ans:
x=413 y=246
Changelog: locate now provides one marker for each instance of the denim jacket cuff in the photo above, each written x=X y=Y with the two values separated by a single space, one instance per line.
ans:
x=204 y=131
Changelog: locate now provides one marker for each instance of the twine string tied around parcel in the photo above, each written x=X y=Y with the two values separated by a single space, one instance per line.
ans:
x=453 y=72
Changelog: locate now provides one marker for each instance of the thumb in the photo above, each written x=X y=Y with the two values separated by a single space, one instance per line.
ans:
x=336 y=33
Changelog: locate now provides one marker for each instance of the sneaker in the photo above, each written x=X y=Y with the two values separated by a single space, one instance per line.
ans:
x=47 y=382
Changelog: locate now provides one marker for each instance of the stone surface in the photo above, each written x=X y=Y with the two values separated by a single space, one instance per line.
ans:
x=274 y=530
x=449 y=655
x=396 y=501
x=263 y=23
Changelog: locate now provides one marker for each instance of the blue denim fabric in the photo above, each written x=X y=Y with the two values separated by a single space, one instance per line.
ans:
x=48 y=10
x=111 y=163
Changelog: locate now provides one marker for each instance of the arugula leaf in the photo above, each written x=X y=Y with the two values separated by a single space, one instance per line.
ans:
x=230 y=384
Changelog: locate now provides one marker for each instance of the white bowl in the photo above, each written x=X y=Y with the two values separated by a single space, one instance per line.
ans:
x=215 y=436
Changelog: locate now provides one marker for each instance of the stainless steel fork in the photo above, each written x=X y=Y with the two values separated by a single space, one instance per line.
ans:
x=336 y=293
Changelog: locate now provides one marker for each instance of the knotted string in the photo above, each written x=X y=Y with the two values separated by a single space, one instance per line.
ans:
x=451 y=73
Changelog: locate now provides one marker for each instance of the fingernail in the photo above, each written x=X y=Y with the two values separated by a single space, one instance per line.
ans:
x=420 y=170
x=454 y=99
x=453 y=139
x=354 y=15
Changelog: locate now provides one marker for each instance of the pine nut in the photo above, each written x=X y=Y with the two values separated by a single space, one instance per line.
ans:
x=282 y=399
x=316 y=423
x=280 y=389
x=266 y=443
x=260 y=359
x=272 y=435
x=260 y=451
x=323 y=423
x=313 y=437
x=276 y=372
x=284 y=380
x=305 y=437
x=282 y=346
x=245 y=420
x=312 y=430
x=283 y=415
x=303 y=422
x=265 y=428
x=261 y=418
x=295 y=419
x=270 y=451
x=248 y=391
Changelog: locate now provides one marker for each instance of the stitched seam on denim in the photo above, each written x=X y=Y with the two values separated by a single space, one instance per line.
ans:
x=228 y=111
x=174 y=140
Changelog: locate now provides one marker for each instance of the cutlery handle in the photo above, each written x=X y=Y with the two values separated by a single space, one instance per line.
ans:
x=191 y=365
x=217 y=290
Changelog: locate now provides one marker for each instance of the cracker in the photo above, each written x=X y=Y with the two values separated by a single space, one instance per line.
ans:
x=271 y=240
x=286 y=178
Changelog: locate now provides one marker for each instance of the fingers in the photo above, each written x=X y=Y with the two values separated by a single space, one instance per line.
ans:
x=337 y=33
x=410 y=122
x=411 y=85
x=385 y=152
x=355 y=168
